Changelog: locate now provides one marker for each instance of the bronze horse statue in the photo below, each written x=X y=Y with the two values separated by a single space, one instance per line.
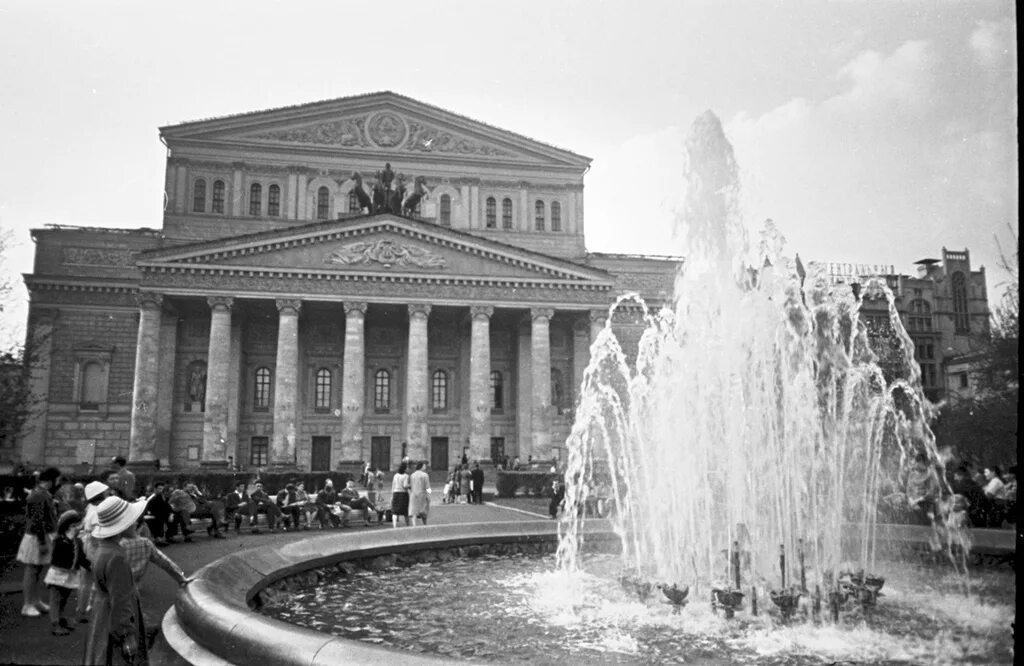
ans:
x=419 y=192
x=365 y=202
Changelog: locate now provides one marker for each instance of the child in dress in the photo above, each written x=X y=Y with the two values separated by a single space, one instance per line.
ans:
x=66 y=564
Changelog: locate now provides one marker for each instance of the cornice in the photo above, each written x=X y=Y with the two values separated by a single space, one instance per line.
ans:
x=207 y=253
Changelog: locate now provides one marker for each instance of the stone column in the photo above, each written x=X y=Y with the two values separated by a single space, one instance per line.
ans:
x=289 y=197
x=165 y=390
x=580 y=355
x=286 y=384
x=353 y=389
x=597 y=322
x=181 y=201
x=474 y=207
x=569 y=215
x=417 y=384
x=466 y=207
x=142 y=440
x=40 y=341
x=525 y=211
x=480 y=383
x=237 y=204
x=540 y=363
x=300 y=197
x=218 y=358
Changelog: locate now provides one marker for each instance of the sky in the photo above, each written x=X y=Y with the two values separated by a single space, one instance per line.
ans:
x=870 y=132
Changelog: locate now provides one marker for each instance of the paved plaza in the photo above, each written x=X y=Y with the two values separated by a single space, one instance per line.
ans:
x=28 y=640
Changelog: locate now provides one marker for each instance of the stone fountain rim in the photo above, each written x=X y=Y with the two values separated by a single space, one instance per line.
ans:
x=211 y=620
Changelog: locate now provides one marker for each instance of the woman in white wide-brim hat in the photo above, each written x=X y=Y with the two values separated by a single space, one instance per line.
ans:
x=116 y=631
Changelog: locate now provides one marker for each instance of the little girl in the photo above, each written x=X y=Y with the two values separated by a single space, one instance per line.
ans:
x=66 y=564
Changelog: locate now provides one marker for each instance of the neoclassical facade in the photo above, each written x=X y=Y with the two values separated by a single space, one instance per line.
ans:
x=279 y=318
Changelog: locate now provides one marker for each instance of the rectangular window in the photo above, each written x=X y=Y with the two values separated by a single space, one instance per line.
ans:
x=259 y=451
x=218 y=197
x=382 y=391
x=274 y=201
x=322 y=401
x=963 y=380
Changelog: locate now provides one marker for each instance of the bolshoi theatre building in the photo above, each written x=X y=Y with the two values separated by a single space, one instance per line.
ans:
x=357 y=279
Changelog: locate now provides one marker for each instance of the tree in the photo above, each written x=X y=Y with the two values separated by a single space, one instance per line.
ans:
x=983 y=427
x=16 y=398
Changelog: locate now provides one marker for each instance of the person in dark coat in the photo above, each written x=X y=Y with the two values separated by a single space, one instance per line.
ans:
x=977 y=503
x=158 y=513
x=557 y=497
x=477 y=476
x=236 y=506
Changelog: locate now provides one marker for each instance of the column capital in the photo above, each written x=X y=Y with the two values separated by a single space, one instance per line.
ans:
x=598 y=316
x=480 y=311
x=149 y=300
x=354 y=306
x=419 y=308
x=546 y=313
x=220 y=303
x=286 y=304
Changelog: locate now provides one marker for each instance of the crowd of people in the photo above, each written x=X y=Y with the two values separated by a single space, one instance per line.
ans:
x=985 y=497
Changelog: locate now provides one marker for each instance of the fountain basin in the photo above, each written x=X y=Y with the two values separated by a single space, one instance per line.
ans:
x=213 y=621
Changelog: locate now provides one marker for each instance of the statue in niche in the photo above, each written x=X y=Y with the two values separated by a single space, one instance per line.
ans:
x=197 y=384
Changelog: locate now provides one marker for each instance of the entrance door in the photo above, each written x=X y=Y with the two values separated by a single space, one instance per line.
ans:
x=497 y=449
x=438 y=453
x=321 y=455
x=380 y=453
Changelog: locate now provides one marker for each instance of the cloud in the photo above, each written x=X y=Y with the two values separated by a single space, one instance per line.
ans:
x=994 y=44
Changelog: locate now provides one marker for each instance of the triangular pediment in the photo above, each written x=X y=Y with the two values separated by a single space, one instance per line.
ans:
x=378 y=245
x=377 y=124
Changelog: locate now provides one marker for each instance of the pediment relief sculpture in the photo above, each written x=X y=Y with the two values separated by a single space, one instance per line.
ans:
x=344 y=132
x=386 y=252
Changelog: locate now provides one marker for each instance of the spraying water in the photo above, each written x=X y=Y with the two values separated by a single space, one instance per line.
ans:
x=756 y=430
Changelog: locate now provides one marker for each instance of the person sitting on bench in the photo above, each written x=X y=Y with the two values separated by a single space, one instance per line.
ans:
x=350 y=497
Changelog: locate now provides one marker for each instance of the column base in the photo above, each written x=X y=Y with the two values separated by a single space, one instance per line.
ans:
x=144 y=466
x=214 y=464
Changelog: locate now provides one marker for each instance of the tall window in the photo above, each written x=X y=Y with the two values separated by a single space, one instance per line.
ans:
x=538 y=215
x=960 y=317
x=259 y=451
x=218 y=197
x=382 y=391
x=920 y=318
x=556 y=216
x=92 y=386
x=446 y=210
x=497 y=390
x=557 y=391
x=353 y=202
x=261 y=390
x=322 y=400
x=274 y=201
x=323 y=203
x=199 y=196
x=506 y=213
x=439 y=391
x=492 y=213
x=255 y=199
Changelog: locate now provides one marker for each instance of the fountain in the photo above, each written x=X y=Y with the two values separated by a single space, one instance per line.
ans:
x=756 y=421
x=752 y=424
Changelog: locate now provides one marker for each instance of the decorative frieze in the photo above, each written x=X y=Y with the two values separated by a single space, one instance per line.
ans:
x=95 y=256
x=348 y=132
x=430 y=139
x=387 y=253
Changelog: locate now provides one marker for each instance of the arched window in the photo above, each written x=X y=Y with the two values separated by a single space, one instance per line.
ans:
x=92 y=386
x=382 y=391
x=556 y=216
x=538 y=215
x=322 y=401
x=323 y=203
x=199 y=196
x=353 y=202
x=497 y=390
x=439 y=391
x=217 y=205
x=506 y=213
x=255 y=199
x=261 y=390
x=446 y=210
x=274 y=201
x=492 y=213
x=961 y=319
x=557 y=391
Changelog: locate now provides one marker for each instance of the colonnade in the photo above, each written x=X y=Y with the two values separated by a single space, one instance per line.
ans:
x=221 y=393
